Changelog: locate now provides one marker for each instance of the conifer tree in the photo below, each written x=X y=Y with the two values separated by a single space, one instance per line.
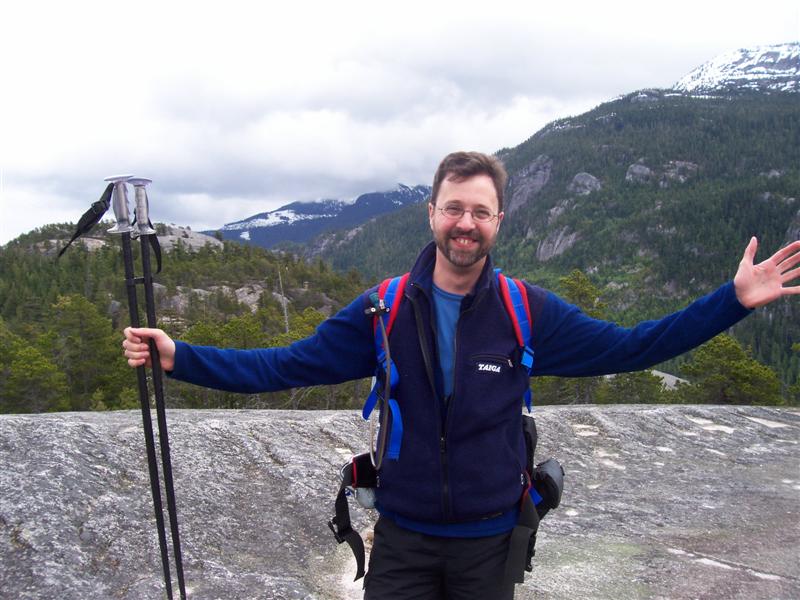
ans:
x=723 y=372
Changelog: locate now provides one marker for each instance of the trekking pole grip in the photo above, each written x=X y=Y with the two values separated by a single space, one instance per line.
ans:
x=120 y=204
x=142 y=205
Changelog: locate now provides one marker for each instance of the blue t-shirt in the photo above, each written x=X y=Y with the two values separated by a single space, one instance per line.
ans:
x=447 y=307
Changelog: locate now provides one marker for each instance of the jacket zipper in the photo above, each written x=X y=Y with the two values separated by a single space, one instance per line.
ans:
x=475 y=302
x=431 y=379
x=451 y=402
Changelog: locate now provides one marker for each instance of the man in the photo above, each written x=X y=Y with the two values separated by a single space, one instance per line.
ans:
x=448 y=503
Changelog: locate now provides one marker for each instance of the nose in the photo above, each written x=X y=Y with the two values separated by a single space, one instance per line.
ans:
x=466 y=219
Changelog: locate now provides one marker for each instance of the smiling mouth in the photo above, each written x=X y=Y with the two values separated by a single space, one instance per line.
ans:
x=464 y=241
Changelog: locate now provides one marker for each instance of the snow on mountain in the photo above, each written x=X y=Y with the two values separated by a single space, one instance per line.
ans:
x=764 y=68
x=300 y=221
x=275 y=217
x=290 y=213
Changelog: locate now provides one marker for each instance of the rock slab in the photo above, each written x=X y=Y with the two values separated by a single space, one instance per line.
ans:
x=660 y=502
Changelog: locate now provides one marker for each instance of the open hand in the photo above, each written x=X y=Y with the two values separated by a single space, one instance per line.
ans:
x=757 y=285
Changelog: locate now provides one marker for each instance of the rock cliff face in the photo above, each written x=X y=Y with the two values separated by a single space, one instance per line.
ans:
x=660 y=502
x=556 y=243
x=528 y=183
x=584 y=184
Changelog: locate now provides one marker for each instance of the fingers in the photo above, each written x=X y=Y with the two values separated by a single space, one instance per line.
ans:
x=789 y=252
x=136 y=351
x=143 y=333
x=790 y=275
x=135 y=347
x=792 y=290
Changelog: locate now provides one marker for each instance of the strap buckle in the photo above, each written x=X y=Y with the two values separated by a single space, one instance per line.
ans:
x=526 y=358
x=378 y=306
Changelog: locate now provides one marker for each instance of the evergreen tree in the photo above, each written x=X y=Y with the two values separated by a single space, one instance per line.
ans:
x=721 y=371
x=29 y=382
x=640 y=387
x=84 y=346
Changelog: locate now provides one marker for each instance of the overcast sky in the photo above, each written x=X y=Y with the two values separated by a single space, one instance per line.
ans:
x=236 y=108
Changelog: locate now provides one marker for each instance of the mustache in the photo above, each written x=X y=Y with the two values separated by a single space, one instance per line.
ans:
x=473 y=235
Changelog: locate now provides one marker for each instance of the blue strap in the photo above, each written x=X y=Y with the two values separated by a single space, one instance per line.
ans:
x=396 y=439
x=527 y=358
x=388 y=300
x=372 y=399
x=519 y=309
x=535 y=496
x=520 y=315
x=397 y=431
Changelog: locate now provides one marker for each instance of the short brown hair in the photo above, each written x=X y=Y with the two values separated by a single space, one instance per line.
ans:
x=458 y=166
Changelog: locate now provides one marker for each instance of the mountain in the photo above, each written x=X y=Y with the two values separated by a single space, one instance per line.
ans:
x=765 y=68
x=299 y=222
x=654 y=195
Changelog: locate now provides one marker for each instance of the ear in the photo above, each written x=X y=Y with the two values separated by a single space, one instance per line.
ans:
x=500 y=219
x=431 y=209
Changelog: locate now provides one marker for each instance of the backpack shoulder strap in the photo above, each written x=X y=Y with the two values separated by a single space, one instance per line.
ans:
x=386 y=303
x=515 y=299
x=389 y=291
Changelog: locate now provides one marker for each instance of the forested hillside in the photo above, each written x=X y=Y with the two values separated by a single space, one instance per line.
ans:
x=61 y=320
x=654 y=196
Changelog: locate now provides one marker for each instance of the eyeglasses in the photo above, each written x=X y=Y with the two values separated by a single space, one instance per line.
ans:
x=479 y=215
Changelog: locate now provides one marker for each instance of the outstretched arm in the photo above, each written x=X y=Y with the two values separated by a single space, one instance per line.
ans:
x=762 y=283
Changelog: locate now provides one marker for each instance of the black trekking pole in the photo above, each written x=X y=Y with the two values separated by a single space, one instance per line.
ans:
x=145 y=232
x=124 y=229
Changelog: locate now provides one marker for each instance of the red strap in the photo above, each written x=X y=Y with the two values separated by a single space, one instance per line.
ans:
x=381 y=293
x=398 y=296
x=524 y=293
x=506 y=296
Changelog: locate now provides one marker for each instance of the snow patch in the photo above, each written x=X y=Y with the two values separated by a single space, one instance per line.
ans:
x=276 y=217
x=775 y=67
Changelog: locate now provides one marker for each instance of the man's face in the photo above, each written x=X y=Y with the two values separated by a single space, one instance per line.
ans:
x=465 y=241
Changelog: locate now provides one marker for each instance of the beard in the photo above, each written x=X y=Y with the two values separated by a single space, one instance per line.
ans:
x=448 y=246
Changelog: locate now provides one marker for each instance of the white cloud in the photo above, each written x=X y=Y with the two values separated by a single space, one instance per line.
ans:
x=239 y=108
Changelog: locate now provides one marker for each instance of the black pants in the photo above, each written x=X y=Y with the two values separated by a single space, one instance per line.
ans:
x=406 y=565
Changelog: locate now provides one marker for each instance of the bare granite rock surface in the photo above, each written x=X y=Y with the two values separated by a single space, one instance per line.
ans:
x=660 y=502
